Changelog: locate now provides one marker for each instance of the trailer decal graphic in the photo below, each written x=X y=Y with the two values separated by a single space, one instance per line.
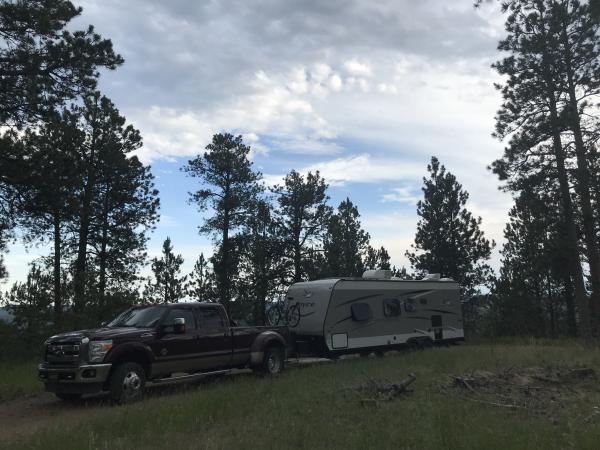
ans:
x=440 y=311
x=364 y=297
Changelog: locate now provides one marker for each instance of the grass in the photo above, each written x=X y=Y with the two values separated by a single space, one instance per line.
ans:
x=18 y=379
x=310 y=408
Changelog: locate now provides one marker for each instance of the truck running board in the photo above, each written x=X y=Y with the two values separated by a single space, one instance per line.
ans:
x=185 y=378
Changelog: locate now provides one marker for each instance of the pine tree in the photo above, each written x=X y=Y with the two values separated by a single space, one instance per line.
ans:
x=124 y=207
x=262 y=264
x=45 y=185
x=533 y=114
x=4 y=236
x=30 y=303
x=42 y=63
x=230 y=187
x=533 y=294
x=304 y=214
x=449 y=240
x=168 y=286
x=345 y=243
x=201 y=284
x=108 y=140
x=377 y=259
x=579 y=53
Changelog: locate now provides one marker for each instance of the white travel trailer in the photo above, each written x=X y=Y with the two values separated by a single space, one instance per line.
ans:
x=373 y=313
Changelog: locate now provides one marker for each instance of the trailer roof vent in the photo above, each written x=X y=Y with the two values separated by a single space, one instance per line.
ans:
x=378 y=273
x=431 y=277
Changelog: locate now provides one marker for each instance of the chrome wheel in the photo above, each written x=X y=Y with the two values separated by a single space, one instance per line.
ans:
x=132 y=384
x=273 y=363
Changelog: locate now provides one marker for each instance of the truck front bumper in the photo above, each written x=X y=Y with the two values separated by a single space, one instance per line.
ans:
x=83 y=374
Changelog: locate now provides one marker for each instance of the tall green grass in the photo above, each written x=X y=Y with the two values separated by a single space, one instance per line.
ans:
x=18 y=378
x=312 y=407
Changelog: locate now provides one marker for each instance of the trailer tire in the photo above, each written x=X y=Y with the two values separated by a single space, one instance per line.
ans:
x=413 y=345
x=127 y=383
x=273 y=361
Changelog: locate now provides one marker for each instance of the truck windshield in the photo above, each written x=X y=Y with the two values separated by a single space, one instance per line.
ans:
x=143 y=317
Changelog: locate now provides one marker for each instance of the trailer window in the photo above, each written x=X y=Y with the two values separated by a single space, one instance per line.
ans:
x=409 y=305
x=391 y=307
x=361 y=312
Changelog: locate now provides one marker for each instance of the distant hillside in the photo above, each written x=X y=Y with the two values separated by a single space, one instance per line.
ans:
x=5 y=316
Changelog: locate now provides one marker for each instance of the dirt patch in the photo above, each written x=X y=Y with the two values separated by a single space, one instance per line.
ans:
x=541 y=390
x=373 y=391
x=25 y=415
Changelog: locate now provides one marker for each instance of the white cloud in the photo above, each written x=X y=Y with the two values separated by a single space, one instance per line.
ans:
x=277 y=106
x=362 y=168
x=335 y=83
x=356 y=68
x=401 y=195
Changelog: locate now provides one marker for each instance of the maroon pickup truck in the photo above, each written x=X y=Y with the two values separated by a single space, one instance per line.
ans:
x=154 y=345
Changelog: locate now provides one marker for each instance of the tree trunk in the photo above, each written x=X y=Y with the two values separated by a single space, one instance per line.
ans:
x=103 y=253
x=572 y=241
x=571 y=319
x=567 y=205
x=58 y=306
x=79 y=277
x=224 y=288
x=583 y=184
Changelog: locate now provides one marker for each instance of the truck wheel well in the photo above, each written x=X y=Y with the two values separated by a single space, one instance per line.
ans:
x=275 y=343
x=136 y=357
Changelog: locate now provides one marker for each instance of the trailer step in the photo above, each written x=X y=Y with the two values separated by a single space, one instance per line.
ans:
x=186 y=378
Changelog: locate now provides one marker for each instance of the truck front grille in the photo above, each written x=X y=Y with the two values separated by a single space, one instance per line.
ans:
x=63 y=354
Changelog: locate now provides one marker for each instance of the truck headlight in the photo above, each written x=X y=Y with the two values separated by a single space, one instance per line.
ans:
x=99 y=349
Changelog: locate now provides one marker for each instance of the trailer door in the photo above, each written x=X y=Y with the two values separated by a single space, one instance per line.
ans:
x=438 y=330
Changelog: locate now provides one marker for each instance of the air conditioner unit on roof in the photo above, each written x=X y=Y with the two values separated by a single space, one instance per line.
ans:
x=378 y=273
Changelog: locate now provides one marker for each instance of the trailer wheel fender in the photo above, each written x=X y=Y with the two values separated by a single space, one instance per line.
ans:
x=260 y=344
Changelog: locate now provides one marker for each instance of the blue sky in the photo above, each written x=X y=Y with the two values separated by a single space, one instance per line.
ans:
x=366 y=92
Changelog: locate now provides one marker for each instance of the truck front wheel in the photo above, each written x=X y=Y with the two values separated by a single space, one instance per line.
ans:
x=273 y=361
x=127 y=383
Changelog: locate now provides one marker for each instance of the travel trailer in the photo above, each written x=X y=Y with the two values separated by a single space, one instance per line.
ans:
x=374 y=313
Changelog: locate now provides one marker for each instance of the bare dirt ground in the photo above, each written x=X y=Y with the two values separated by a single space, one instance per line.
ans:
x=25 y=415
x=543 y=391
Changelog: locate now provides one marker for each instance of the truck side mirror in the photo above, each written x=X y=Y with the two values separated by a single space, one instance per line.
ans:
x=179 y=325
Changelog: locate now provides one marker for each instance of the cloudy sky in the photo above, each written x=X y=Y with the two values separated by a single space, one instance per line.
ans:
x=364 y=91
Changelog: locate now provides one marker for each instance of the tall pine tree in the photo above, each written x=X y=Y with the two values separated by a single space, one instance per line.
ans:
x=304 y=215
x=168 y=285
x=229 y=187
x=449 y=240
x=345 y=243
x=42 y=62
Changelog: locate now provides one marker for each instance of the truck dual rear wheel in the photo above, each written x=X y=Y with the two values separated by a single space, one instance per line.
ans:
x=127 y=383
x=273 y=361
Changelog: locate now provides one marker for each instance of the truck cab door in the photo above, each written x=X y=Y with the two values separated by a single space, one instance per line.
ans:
x=176 y=352
x=215 y=341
